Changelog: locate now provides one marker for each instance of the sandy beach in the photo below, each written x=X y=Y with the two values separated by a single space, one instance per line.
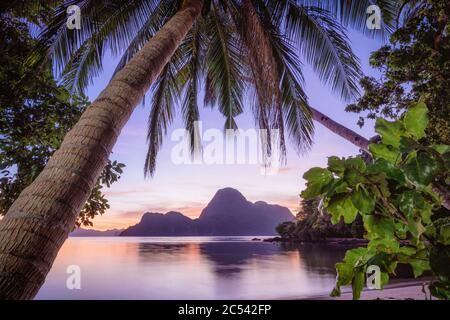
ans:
x=409 y=290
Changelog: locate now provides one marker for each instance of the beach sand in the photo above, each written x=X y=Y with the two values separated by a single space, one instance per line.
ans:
x=410 y=290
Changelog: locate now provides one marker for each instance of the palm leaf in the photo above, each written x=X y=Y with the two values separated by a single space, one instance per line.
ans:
x=166 y=94
x=324 y=44
x=224 y=72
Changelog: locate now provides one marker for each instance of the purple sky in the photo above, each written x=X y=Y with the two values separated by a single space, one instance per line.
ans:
x=188 y=188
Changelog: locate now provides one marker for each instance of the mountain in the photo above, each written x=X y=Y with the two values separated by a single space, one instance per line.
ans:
x=228 y=213
x=157 y=224
x=95 y=233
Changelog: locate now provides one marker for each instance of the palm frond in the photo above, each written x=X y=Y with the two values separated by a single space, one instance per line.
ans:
x=104 y=25
x=298 y=119
x=159 y=16
x=324 y=44
x=294 y=102
x=166 y=94
x=354 y=13
x=224 y=71
x=264 y=73
x=195 y=43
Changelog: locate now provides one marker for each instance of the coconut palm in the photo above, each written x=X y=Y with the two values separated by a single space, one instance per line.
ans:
x=173 y=47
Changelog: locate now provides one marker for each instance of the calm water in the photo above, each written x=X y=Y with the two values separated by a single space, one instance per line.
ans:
x=191 y=268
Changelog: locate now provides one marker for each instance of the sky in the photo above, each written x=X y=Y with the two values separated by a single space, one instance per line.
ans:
x=187 y=188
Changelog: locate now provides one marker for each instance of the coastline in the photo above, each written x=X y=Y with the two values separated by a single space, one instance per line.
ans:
x=330 y=241
x=405 y=290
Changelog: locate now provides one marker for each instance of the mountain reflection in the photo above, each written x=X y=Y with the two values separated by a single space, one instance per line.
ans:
x=191 y=268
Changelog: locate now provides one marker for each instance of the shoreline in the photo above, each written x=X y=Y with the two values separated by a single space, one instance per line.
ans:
x=402 y=290
x=330 y=241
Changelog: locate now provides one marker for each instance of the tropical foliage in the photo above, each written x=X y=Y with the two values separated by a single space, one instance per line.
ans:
x=404 y=218
x=35 y=115
x=414 y=65
x=314 y=224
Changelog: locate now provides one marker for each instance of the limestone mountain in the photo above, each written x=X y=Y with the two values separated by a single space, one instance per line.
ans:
x=228 y=213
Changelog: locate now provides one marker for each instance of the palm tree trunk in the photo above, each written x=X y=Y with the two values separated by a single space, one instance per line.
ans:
x=39 y=221
x=341 y=130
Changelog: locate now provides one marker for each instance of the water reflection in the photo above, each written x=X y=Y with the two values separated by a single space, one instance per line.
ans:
x=191 y=268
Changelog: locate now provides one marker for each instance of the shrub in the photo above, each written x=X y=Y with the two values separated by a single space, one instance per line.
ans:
x=400 y=197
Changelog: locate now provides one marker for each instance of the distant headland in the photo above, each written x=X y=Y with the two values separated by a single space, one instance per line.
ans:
x=228 y=213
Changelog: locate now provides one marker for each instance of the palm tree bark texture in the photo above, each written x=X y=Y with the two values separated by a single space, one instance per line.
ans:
x=40 y=220
x=341 y=130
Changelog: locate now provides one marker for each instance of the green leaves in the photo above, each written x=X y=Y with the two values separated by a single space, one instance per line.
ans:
x=382 y=151
x=422 y=169
x=317 y=180
x=440 y=260
x=355 y=163
x=345 y=273
x=387 y=245
x=351 y=271
x=342 y=206
x=358 y=285
x=396 y=198
x=412 y=201
x=356 y=257
x=416 y=120
x=390 y=131
x=363 y=201
x=389 y=169
x=379 y=227
x=336 y=165
x=419 y=266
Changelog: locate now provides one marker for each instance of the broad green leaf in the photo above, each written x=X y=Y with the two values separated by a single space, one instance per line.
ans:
x=419 y=266
x=390 y=131
x=440 y=260
x=353 y=177
x=401 y=230
x=379 y=226
x=425 y=213
x=409 y=201
x=382 y=187
x=392 y=172
x=416 y=120
x=363 y=201
x=356 y=257
x=336 y=165
x=384 y=279
x=444 y=235
x=408 y=251
x=422 y=169
x=441 y=148
x=408 y=144
x=341 y=187
x=387 y=245
x=358 y=285
x=345 y=274
x=381 y=259
x=415 y=227
x=317 y=179
x=440 y=230
x=383 y=151
x=356 y=163
x=342 y=206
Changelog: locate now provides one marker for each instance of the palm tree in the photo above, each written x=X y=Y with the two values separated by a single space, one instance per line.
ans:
x=173 y=47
